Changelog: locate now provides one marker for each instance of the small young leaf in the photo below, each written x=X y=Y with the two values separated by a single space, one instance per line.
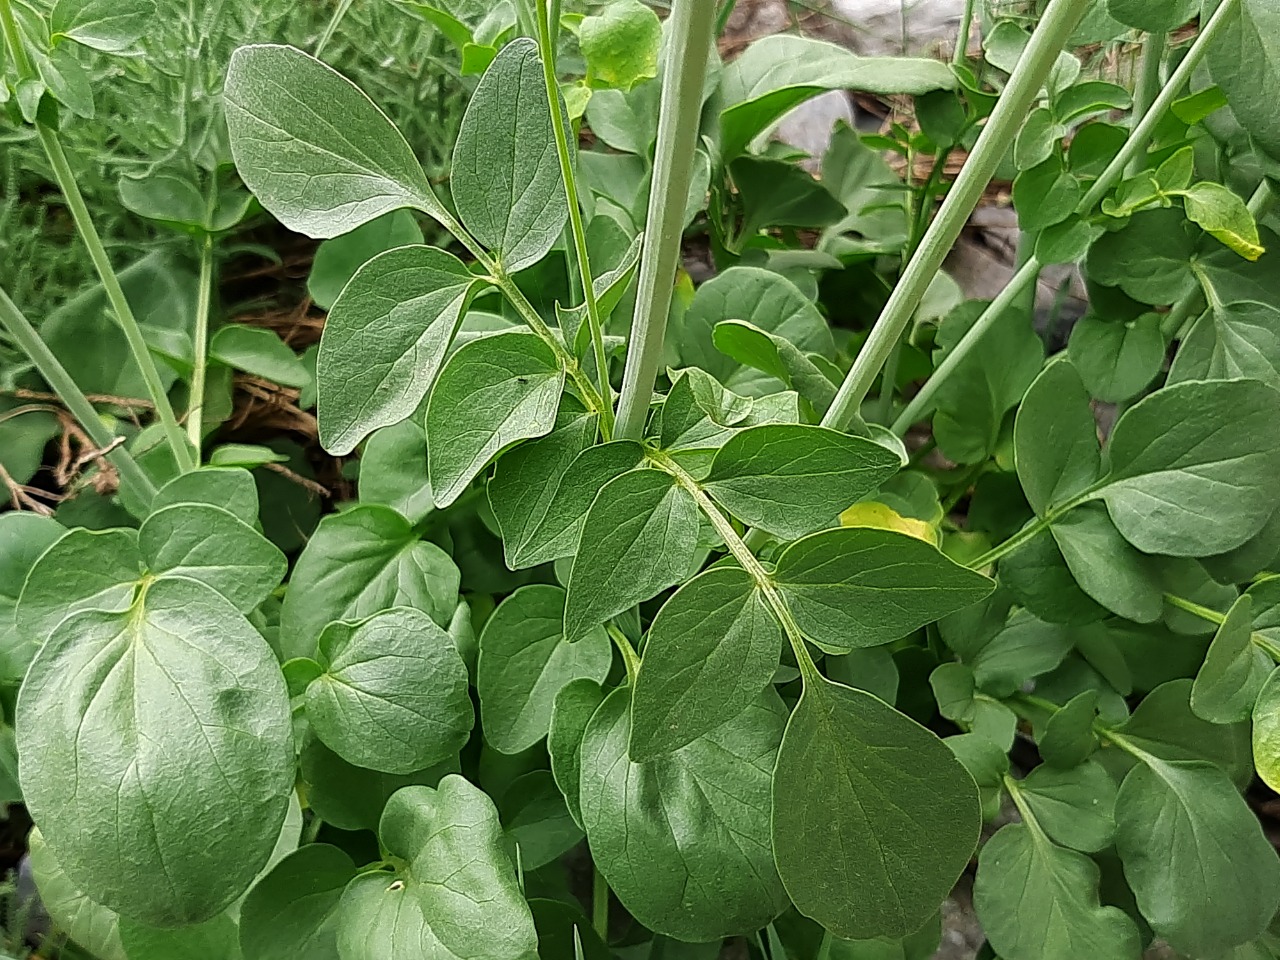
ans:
x=158 y=707
x=712 y=649
x=1068 y=737
x=313 y=148
x=505 y=179
x=1039 y=901
x=620 y=44
x=493 y=392
x=693 y=860
x=525 y=662
x=853 y=772
x=458 y=893
x=230 y=488
x=393 y=695
x=1117 y=361
x=860 y=587
x=777 y=357
x=1180 y=484
x=1187 y=838
x=260 y=352
x=385 y=341
x=792 y=479
x=292 y=911
x=640 y=537
x=1075 y=807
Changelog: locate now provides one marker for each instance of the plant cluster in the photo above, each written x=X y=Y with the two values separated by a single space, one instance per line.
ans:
x=653 y=565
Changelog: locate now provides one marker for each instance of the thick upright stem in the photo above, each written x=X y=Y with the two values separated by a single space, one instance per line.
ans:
x=1024 y=86
x=47 y=365
x=691 y=32
x=200 y=359
x=546 y=40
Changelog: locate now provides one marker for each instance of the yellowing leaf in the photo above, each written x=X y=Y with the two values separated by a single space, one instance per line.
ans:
x=882 y=517
x=1266 y=732
x=1225 y=216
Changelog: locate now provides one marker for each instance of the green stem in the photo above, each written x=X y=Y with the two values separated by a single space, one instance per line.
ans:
x=961 y=52
x=1024 y=86
x=332 y=26
x=922 y=403
x=1148 y=85
x=726 y=11
x=1261 y=641
x=600 y=905
x=48 y=366
x=692 y=24
x=13 y=39
x=200 y=360
x=1034 y=529
x=629 y=658
x=1142 y=133
x=547 y=42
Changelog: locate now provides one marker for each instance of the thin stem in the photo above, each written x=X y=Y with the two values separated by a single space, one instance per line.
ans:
x=1024 y=86
x=1146 y=127
x=1260 y=640
x=332 y=26
x=47 y=365
x=691 y=32
x=1034 y=529
x=13 y=40
x=547 y=42
x=726 y=11
x=600 y=905
x=200 y=360
x=629 y=658
x=115 y=295
x=961 y=52
x=922 y=402
x=1148 y=85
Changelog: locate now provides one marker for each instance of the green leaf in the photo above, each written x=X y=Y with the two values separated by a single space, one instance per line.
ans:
x=82 y=570
x=230 y=488
x=1187 y=838
x=358 y=563
x=1164 y=726
x=313 y=148
x=1117 y=361
x=1045 y=195
x=1234 y=670
x=456 y=897
x=292 y=911
x=1024 y=649
x=537 y=820
x=111 y=26
x=260 y=352
x=156 y=709
x=1224 y=215
x=776 y=193
x=780 y=72
x=1153 y=16
x=67 y=80
x=1055 y=439
x=873 y=817
x=527 y=480
x=860 y=587
x=1075 y=807
x=89 y=924
x=393 y=470
x=1039 y=901
x=620 y=44
x=1179 y=483
x=493 y=392
x=640 y=537
x=217 y=939
x=1068 y=738
x=626 y=121
x=1037 y=576
x=790 y=479
x=1266 y=731
x=697 y=417
x=385 y=341
x=683 y=840
x=776 y=357
x=712 y=649
x=393 y=694
x=574 y=706
x=973 y=401
x=23 y=538
x=505 y=177
x=206 y=543
x=760 y=297
x=525 y=662
x=337 y=260
x=1245 y=63
x=1106 y=567
x=1230 y=341
x=1149 y=259
x=564 y=931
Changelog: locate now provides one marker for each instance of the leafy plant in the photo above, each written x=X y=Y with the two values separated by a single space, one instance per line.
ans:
x=714 y=613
